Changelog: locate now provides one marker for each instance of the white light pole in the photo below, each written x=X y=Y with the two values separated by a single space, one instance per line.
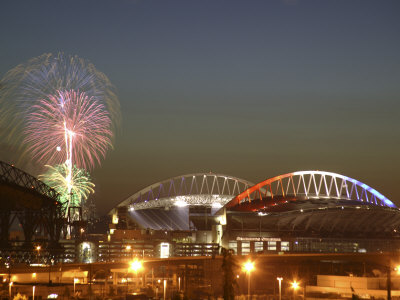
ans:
x=9 y=288
x=33 y=293
x=280 y=287
x=165 y=289
x=179 y=284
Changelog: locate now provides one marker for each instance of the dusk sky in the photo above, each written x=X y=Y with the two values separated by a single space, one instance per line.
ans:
x=251 y=89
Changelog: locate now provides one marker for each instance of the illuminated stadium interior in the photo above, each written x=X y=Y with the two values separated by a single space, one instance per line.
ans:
x=167 y=204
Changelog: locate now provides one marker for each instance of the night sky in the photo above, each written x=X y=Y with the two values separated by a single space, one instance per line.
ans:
x=251 y=89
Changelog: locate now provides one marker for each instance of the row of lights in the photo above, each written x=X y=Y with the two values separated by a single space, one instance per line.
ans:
x=248 y=267
x=135 y=266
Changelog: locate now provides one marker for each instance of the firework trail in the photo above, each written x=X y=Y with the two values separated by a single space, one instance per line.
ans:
x=61 y=109
x=24 y=89
x=71 y=121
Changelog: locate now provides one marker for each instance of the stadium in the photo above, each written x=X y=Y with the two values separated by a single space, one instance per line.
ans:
x=305 y=211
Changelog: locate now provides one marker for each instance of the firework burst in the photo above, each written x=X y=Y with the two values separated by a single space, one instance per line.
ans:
x=72 y=192
x=58 y=95
x=77 y=129
x=64 y=112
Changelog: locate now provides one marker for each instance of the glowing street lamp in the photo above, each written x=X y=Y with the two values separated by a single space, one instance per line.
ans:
x=248 y=267
x=280 y=287
x=295 y=286
x=135 y=266
x=38 y=252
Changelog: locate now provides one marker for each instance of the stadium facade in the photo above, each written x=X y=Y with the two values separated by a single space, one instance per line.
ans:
x=306 y=211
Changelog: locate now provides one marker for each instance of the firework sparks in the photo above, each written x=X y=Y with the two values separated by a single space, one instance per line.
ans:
x=72 y=192
x=57 y=95
x=77 y=129
x=64 y=112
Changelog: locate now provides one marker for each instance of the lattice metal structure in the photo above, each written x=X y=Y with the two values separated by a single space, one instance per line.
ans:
x=12 y=175
x=207 y=189
x=33 y=203
x=313 y=184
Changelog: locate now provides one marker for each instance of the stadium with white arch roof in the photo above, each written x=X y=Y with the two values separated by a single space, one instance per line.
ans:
x=304 y=211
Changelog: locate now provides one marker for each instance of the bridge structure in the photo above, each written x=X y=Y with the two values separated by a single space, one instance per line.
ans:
x=35 y=206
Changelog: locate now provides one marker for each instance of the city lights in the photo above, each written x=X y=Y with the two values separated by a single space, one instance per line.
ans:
x=135 y=265
x=295 y=285
x=248 y=267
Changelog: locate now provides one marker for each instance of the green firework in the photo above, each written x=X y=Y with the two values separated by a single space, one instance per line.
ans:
x=81 y=185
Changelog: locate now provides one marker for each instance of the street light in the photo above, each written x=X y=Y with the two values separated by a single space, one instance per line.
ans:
x=280 y=287
x=135 y=266
x=38 y=252
x=248 y=267
x=295 y=287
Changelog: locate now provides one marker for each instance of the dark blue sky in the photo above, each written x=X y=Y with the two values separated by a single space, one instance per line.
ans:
x=252 y=89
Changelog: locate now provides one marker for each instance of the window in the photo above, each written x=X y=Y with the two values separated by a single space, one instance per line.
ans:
x=284 y=246
x=233 y=246
x=258 y=246
x=245 y=248
x=272 y=246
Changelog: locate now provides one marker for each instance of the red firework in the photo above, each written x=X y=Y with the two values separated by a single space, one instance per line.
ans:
x=70 y=127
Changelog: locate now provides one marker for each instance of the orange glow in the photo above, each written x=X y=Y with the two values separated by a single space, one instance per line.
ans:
x=248 y=266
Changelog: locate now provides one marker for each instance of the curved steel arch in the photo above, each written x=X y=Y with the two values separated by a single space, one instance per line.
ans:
x=13 y=176
x=191 y=189
x=311 y=184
